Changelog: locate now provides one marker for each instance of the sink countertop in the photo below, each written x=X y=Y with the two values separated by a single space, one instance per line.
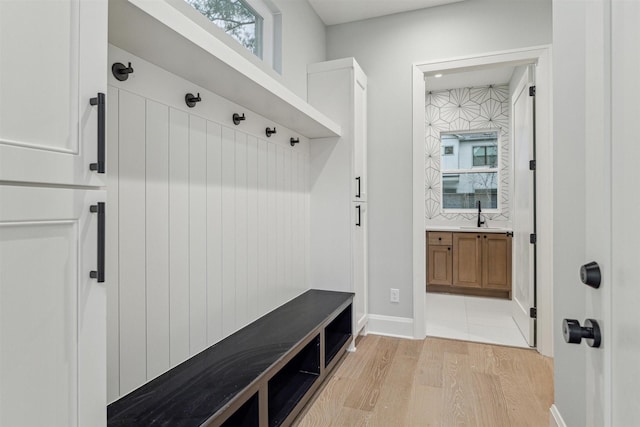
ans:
x=468 y=229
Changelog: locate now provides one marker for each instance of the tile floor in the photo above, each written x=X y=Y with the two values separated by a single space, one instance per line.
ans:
x=485 y=320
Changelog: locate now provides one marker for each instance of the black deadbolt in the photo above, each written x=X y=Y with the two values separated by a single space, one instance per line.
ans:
x=590 y=274
x=574 y=333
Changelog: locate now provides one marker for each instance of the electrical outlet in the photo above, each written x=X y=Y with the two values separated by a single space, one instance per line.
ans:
x=395 y=295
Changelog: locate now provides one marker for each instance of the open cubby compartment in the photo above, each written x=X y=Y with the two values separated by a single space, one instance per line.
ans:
x=247 y=415
x=336 y=334
x=291 y=383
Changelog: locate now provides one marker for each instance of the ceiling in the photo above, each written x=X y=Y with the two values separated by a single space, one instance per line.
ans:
x=476 y=78
x=341 y=11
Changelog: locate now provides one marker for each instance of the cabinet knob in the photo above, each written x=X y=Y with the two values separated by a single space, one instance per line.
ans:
x=439 y=238
x=478 y=236
x=449 y=248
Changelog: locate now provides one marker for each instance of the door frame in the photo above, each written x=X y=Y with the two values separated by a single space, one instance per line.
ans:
x=540 y=55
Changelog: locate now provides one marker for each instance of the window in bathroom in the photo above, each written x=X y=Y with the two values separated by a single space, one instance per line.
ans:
x=471 y=174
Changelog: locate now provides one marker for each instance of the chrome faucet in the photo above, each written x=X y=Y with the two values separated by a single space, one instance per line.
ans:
x=480 y=221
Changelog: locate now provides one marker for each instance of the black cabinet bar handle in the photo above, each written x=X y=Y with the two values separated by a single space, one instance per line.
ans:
x=358 y=192
x=100 y=210
x=100 y=102
x=359 y=223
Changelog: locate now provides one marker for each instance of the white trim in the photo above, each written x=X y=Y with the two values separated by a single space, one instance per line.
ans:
x=486 y=60
x=419 y=225
x=390 y=326
x=555 y=419
x=539 y=55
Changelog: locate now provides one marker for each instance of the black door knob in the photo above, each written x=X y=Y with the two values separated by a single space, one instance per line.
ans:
x=574 y=333
x=590 y=274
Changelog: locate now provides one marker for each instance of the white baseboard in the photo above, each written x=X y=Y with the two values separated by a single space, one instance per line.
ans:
x=399 y=327
x=555 y=419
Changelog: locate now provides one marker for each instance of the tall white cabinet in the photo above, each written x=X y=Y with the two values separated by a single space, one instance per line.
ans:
x=52 y=308
x=338 y=183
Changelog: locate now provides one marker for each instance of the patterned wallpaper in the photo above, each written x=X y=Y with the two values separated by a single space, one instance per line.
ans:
x=464 y=109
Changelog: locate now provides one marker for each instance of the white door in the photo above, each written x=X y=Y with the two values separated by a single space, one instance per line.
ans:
x=612 y=176
x=360 y=309
x=523 y=295
x=599 y=387
x=52 y=62
x=625 y=285
x=52 y=314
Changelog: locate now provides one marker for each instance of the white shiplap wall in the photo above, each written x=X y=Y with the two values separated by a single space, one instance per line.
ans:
x=207 y=222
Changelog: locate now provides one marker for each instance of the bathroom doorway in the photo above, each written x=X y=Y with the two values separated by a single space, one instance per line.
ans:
x=471 y=95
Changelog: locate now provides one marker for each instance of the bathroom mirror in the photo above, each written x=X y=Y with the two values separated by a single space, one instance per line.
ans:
x=469 y=165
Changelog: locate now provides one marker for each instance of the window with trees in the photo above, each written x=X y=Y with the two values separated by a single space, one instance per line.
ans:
x=472 y=173
x=247 y=21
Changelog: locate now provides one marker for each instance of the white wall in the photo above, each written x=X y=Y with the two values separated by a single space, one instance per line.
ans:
x=303 y=42
x=386 y=48
x=481 y=108
x=207 y=222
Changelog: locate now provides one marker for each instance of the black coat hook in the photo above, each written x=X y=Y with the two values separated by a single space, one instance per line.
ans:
x=120 y=72
x=237 y=118
x=294 y=141
x=270 y=131
x=191 y=100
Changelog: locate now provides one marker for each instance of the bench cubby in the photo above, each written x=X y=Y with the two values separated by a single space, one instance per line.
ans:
x=336 y=334
x=291 y=383
x=261 y=375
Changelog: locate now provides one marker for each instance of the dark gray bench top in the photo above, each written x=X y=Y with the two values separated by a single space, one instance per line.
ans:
x=193 y=391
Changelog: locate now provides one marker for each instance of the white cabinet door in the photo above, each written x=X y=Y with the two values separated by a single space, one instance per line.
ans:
x=52 y=314
x=359 y=257
x=360 y=135
x=52 y=62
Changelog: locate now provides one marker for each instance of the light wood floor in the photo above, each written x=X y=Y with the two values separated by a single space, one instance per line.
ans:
x=392 y=382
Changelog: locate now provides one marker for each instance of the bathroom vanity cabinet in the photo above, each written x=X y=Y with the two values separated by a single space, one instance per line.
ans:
x=472 y=263
x=439 y=258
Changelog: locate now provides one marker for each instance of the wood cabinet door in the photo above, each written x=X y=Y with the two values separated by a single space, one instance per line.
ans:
x=53 y=60
x=52 y=313
x=439 y=265
x=467 y=260
x=496 y=261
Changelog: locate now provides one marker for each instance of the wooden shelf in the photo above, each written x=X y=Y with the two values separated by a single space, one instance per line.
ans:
x=161 y=34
